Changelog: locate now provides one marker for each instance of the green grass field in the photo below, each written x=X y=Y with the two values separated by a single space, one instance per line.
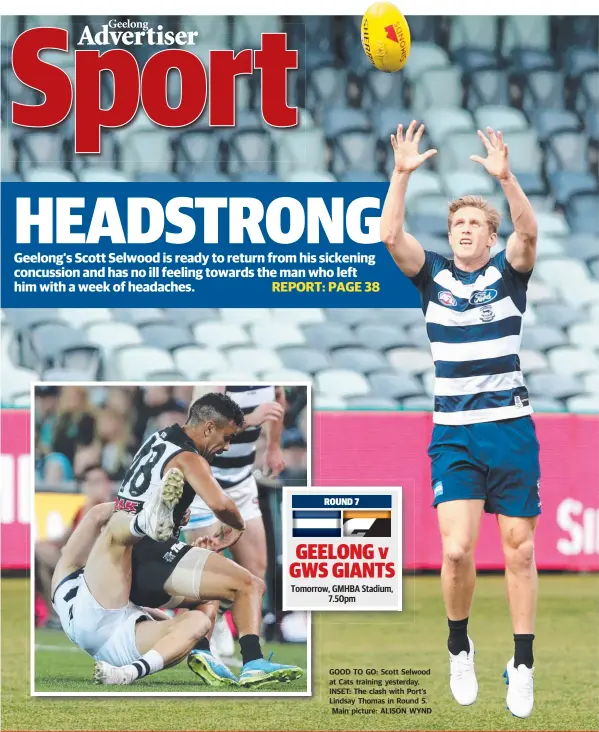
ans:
x=61 y=666
x=566 y=655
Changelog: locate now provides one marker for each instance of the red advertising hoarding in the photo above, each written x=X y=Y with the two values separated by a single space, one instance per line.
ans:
x=385 y=449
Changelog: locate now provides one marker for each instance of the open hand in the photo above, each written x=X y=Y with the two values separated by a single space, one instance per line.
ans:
x=267 y=412
x=496 y=162
x=405 y=151
x=274 y=462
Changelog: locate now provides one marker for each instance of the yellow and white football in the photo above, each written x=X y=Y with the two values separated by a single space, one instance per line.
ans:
x=385 y=37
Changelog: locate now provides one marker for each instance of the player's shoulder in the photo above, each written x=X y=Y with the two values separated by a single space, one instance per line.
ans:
x=498 y=261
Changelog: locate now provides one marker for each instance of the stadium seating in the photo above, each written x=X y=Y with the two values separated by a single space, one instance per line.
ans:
x=535 y=78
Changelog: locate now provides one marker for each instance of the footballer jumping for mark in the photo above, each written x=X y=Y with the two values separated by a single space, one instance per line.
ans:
x=484 y=451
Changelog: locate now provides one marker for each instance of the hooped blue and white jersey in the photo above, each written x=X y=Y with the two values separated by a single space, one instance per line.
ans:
x=474 y=324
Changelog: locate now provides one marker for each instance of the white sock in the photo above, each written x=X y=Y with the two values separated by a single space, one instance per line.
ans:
x=135 y=528
x=148 y=664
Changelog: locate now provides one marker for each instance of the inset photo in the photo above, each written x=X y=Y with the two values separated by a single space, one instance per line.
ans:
x=156 y=539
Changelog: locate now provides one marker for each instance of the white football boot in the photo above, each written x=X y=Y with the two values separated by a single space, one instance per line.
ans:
x=462 y=678
x=104 y=673
x=520 y=688
x=156 y=517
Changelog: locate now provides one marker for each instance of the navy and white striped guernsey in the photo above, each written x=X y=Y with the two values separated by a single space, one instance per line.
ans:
x=474 y=324
x=235 y=465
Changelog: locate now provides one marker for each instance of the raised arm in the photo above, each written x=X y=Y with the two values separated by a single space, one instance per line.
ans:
x=521 y=246
x=403 y=247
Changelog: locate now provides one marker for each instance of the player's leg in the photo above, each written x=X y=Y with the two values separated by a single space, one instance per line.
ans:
x=459 y=523
x=108 y=567
x=459 y=491
x=160 y=644
x=206 y=575
x=513 y=457
x=203 y=522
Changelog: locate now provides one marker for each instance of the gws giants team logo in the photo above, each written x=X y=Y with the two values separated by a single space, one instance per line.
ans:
x=367 y=523
x=446 y=298
x=481 y=297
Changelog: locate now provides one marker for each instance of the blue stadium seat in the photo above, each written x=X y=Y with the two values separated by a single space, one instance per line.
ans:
x=567 y=151
x=558 y=314
x=250 y=146
x=306 y=359
x=327 y=87
x=328 y=336
x=553 y=386
x=583 y=246
x=566 y=183
x=488 y=87
x=543 y=337
x=581 y=213
x=380 y=89
x=506 y=119
x=167 y=336
x=424 y=182
x=524 y=61
x=466 y=182
x=363 y=360
x=437 y=88
x=549 y=122
x=198 y=150
x=313 y=37
x=474 y=60
x=248 y=29
x=587 y=97
x=40 y=148
x=441 y=122
x=353 y=144
x=543 y=90
x=395 y=385
x=525 y=31
x=381 y=337
x=472 y=31
x=423 y=28
x=425 y=56
x=435 y=225
x=580 y=60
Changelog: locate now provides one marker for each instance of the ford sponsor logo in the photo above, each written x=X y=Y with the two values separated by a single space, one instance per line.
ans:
x=482 y=297
x=446 y=298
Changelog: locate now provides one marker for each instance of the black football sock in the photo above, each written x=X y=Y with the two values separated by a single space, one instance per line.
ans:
x=458 y=636
x=202 y=645
x=250 y=648
x=523 y=650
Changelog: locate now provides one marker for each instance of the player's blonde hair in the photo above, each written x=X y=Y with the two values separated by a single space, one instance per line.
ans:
x=492 y=214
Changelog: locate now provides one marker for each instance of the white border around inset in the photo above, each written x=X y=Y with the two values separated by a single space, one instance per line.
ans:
x=190 y=694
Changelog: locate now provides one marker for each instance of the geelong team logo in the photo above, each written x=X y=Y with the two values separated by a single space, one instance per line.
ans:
x=481 y=297
x=446 y=298
x=367 y=523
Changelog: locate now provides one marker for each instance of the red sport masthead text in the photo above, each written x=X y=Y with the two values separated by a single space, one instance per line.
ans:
x=214 y=86
x=358 y=561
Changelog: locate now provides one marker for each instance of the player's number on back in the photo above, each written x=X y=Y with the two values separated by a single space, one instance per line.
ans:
x=138 y=477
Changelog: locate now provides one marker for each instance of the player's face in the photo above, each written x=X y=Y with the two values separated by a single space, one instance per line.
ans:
x=218 y=439
x=469 y=235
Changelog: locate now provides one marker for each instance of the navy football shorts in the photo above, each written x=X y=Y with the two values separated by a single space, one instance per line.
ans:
x=497 y=462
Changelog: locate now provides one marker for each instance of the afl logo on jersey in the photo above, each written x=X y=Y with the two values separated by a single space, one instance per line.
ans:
x=446 y=298
x=481 y=297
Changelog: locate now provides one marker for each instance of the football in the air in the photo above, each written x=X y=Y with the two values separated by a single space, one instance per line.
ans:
x=385 y=37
